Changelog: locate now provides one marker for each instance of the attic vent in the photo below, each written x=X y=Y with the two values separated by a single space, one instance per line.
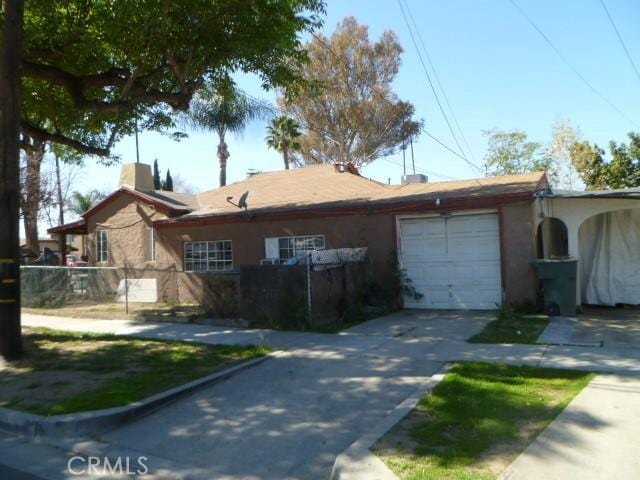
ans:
x=415 y=178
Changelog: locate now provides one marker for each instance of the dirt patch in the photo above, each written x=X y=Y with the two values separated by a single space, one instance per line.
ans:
x=65 y=372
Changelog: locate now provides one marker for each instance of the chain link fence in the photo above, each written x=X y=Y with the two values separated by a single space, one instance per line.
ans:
x=317 y=285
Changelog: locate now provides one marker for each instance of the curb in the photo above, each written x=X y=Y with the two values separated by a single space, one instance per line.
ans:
x=358 y=462
x=87 y=423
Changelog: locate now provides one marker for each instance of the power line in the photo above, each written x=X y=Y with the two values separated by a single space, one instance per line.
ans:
x=435 y=93
x=423 y=170
x=624 y=46
x=568 y=64
x=437 y=77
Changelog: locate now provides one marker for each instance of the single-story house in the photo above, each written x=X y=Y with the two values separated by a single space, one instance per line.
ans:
x=602 y=230
x=463 y=244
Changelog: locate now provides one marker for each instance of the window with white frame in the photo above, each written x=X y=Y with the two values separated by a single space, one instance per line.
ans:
x=214 y=256
x=150 y=239
x=102 y=245
x=284 y=248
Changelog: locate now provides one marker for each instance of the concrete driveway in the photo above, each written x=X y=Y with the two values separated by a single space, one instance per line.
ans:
x=614 y=327
x=289 y=417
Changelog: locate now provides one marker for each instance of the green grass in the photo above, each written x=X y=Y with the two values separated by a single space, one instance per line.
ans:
x=79 y=371
x=478 y=408
x=512 y=327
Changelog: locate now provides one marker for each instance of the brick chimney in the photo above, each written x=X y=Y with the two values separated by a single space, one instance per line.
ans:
x=137 y=176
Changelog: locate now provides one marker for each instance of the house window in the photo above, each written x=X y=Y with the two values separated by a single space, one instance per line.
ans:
x=288 y=247
x=208 y=256
x=102 y=245
x=150 y=239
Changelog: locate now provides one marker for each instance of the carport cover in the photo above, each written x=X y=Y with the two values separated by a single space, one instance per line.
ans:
x=610 y=258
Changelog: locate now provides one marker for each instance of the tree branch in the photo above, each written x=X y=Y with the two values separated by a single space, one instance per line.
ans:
x=120 y=78
x=42 y=135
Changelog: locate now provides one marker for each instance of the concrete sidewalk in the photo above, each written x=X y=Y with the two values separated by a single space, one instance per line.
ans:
x=596 y=437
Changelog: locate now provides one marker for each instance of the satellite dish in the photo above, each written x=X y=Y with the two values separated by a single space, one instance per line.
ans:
x=242 y=203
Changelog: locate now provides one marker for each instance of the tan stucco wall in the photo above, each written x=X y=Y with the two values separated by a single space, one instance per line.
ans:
x=373 y=231
x=518 y=250
x=376 y=231
x=125 y=219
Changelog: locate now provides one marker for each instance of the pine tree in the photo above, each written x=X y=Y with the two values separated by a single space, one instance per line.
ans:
x=157 y=183
x=168 y=182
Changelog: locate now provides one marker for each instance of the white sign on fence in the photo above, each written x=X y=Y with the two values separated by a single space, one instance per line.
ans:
x=141 y=290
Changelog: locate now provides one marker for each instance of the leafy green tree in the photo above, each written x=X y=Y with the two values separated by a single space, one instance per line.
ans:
x=347 y=106
x=510 y=153
x=90 y=69
x=157 y=183
x=621 y=171
x=223 y=108
x=167 y=185
x=82 y=202
x=282 y=136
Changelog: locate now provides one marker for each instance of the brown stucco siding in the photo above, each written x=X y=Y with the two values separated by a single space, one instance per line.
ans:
x=518 y=250
x=125 y=220
x=374 y=231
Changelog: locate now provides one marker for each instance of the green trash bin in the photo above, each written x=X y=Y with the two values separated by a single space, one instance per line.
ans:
x=558 y=279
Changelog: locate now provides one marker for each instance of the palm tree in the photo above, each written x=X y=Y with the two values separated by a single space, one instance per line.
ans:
x=282 y=135
x=80 y=203
x=223 y=108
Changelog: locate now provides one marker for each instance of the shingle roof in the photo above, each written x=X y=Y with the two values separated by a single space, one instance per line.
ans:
x=329 y=185
x=296 y=188
x=476 y=187
x=174 y=199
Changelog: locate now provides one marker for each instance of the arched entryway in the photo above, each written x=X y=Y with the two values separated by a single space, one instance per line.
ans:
x=609 y=246
x=552 y=239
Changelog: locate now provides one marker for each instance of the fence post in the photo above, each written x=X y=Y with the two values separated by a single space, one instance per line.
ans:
x=309 y=288
x=126 y=289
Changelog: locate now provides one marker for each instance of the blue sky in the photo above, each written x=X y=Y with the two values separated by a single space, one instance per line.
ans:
x=497 y=72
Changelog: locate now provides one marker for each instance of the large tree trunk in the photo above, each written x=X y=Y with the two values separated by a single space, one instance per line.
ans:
x=31 y=197
x=223 y=155
x=11 y=45
x=285 y=155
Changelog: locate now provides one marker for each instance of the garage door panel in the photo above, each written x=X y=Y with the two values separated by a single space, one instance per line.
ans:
x=486 y=272
x=416 y=272
x=412 y=228
x=435 y=227
x=436 y=298
x=486 y=223
x=454 y=263
x=436 y=274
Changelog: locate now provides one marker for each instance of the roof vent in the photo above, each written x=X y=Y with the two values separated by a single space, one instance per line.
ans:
x=415 y=178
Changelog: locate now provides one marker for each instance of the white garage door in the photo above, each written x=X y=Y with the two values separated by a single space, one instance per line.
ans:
x=454 y=262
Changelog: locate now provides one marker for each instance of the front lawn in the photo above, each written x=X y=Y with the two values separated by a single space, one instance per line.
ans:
x=65 y=372
x=512 y=327
x=476 y=422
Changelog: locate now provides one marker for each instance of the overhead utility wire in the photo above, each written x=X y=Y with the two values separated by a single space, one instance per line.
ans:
x=437 y=77
x=624 y=46
x=430 y=82
x=568 y=64
x=422 y=170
